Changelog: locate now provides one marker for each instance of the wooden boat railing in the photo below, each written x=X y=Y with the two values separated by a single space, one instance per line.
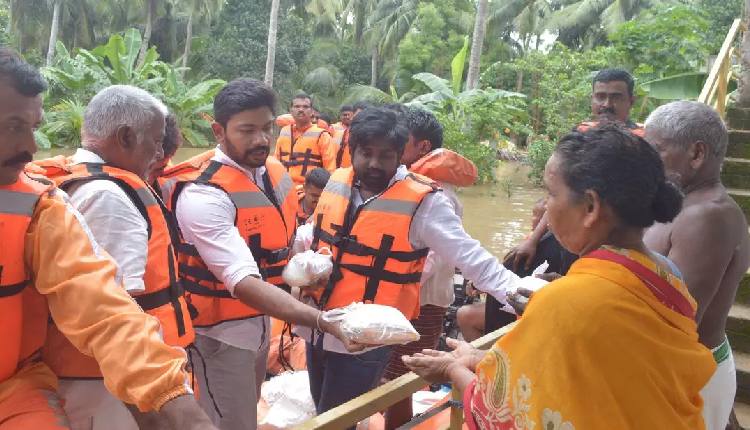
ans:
x=715 y=90
x=380 y=398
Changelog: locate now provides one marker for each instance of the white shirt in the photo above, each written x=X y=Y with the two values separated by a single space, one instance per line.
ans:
x=437 y=226
x=115 y=222
x=206 y=215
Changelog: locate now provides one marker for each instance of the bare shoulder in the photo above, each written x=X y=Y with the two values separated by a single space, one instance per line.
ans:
x=714 y=212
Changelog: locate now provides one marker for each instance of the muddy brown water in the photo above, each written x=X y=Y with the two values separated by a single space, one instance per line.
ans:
x=498 y=214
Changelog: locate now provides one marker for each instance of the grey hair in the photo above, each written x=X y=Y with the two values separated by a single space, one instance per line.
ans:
x=119 y=105
x=686 y=122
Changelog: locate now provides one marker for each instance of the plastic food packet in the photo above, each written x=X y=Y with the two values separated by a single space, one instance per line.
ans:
x=373 y=324
x=289 y=400
x=307 y=268
x=531 y=283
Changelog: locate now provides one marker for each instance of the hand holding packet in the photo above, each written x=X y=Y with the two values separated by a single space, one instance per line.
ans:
x=372 y=324
x=308 y=268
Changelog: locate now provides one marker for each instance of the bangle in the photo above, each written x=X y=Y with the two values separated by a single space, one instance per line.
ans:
x=317 y=321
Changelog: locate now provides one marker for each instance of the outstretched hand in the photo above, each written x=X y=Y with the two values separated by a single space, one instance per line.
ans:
x=437 y=366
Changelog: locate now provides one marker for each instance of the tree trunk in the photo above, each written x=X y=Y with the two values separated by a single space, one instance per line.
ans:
x=150 y=12
x=477 y=40
x=273 y=24
x=188 y=42
x=743 y=98
x=519 y=80
x=374 y=67
x=53 y=31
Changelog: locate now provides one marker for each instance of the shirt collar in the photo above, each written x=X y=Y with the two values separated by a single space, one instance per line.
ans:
x=85 y=156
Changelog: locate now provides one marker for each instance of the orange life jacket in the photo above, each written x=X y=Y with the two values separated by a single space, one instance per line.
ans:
x=301 y=155
x=266 y=221
x=373 y=260
x=445 y=166
x=284 y=120
x=163 y=297
x=341 y=137
x=635 y=128
x=23 y=311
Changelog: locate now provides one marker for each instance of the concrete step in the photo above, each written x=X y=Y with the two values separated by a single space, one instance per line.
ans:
x=742 y=410
x=735 y=173
x=739 y=144
x=743 y=291
x=738 y=117
x=742 y=197
x=738 y=328
x=742 y=364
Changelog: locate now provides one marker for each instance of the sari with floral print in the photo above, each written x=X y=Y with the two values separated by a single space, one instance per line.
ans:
x=612 y=345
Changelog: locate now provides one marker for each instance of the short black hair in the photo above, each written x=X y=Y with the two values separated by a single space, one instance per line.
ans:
x=299 y=96
x=361 y=105
x=22 y=76
x=317 y=177
x=423 y=125
x=172 y=136
x=611 y=75
x=240 y=95
x=346 y=108
x=623 y=169
x=378 y=123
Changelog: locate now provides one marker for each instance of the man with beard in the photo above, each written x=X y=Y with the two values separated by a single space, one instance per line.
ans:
x=51 y=268
x=303 y=145
x=236 y=210
x=708 y=240
x=380 y=221
x=612 y=97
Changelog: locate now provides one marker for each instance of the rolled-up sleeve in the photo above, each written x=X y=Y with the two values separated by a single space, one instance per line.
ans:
x=96 y=314
x=206 y=215
x=436 y=226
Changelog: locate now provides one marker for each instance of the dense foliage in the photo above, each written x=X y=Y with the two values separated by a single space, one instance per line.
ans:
x=536 y=65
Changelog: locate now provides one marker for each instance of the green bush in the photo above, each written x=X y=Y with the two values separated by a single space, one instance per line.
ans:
x=540 y=149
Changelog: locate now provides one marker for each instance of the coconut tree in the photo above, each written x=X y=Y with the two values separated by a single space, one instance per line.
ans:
x=273 y=24
x=390 y=22
x=480 y=26
x=197 y=10
x=54 y=29
x=151 y=7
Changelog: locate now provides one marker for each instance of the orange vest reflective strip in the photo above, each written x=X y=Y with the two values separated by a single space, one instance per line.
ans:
x=374 y=261
x=637 y=130
x=266 y=224
x=163 y=297
x=17 y=204
x=301 y=155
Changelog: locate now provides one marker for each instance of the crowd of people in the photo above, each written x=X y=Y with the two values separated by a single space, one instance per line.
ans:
x=139 y=293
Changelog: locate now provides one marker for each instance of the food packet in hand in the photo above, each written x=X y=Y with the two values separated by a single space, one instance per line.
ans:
x=307 y=268
x=531 y=283
x=372 y=324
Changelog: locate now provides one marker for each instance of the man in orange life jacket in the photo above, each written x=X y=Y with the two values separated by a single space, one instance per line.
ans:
x=341 y=136
x=315 y=181
x=236 y=209
x=381 y=221
x=51 y=267
x=425 y=155
x=303 y=146
x=612 y=97
x=122 y=133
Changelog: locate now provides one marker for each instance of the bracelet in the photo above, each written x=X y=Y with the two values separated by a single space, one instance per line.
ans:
x=317 y=321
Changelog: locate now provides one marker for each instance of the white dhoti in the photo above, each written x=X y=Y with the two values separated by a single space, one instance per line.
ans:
x=718 y=394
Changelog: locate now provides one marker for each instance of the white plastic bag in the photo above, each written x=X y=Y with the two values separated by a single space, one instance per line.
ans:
x=531 y=283
x=307 y=268
x=373 y=324
x=289 y=400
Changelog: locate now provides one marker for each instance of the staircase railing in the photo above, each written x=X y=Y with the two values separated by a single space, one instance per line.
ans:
x=715 y=90
x=380 y=398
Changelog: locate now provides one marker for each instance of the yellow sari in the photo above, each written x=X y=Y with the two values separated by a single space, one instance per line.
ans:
x=605 y=347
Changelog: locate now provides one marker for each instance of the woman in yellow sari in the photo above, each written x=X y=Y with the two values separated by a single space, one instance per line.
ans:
x=612 y=345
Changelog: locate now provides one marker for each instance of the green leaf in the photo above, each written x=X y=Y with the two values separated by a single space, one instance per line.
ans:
x=42 y=140
x=435 y=84
x=457 y=67
x=132 y=46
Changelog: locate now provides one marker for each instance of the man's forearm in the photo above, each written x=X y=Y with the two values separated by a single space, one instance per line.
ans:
x=274 y=302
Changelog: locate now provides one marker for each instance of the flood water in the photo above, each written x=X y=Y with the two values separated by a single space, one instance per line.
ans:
x=498 y=215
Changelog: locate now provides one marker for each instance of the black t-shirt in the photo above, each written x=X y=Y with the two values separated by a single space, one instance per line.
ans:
x=549 y=249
